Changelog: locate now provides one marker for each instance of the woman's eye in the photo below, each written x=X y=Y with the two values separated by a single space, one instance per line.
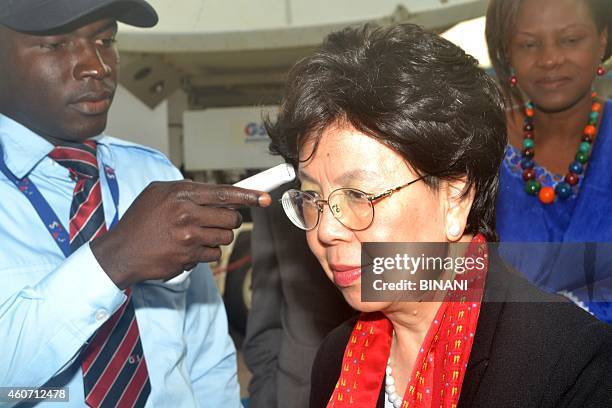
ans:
x=354 y=194
x=570 y=40
x=313 y=194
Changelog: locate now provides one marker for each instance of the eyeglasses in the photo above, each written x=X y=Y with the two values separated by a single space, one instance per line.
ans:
x=351 y=207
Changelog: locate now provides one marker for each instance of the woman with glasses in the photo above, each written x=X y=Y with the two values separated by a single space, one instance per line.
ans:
x=397 y=136
x=556 y=176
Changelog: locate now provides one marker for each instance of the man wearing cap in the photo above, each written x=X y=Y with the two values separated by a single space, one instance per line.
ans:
x=92 y=228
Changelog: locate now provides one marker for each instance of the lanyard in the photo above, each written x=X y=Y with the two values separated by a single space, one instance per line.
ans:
x=44 y=210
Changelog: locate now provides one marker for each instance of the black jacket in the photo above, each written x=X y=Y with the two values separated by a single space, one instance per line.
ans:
x=294 y=307
x=542 y=353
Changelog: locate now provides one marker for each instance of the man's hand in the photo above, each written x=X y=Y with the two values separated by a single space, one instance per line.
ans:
x=171 y=227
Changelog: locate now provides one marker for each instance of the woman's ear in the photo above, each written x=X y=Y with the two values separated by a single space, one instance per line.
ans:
x=603 y=42
x=457 y=204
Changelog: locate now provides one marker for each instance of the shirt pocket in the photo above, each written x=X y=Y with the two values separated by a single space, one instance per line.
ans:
x=160 y=309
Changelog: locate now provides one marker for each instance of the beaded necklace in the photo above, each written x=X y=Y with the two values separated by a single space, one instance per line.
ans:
x=390 y=390
x=563 y=189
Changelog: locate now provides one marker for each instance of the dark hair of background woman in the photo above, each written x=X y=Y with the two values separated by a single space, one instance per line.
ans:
x=501 y=18
x=413 y=91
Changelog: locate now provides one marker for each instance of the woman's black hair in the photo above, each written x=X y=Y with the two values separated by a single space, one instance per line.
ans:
x=411 y=90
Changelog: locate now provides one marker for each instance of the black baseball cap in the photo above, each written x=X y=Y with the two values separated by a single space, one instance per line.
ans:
x=38 y=16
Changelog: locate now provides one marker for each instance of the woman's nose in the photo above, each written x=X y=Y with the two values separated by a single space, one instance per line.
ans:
x=330 y=230
x=551 y=57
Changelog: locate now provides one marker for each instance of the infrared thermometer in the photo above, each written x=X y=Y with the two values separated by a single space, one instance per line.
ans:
x=267 y=181
x=270 y=179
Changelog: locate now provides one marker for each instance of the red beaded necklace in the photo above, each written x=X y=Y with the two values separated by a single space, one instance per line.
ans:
x=563 y=189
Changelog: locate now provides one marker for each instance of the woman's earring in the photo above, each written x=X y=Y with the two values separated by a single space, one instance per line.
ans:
x=601 y=71
x=513 y=78
x=454 y=230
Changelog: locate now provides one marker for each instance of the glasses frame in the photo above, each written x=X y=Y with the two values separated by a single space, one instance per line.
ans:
x=372 y=199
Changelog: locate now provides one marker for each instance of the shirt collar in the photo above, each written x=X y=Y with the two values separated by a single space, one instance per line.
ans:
x=23 y=149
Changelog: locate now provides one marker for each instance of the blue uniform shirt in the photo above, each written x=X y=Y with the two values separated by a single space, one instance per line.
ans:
x=51 y=305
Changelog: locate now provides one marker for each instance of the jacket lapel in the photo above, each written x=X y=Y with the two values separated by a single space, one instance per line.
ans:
x=495 y=292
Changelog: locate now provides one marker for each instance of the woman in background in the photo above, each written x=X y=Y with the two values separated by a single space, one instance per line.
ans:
x=397 y=136
x=556 y=177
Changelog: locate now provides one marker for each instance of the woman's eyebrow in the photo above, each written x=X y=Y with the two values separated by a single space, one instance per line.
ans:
x=357 y=174
x=344 y=179
x=573 y=25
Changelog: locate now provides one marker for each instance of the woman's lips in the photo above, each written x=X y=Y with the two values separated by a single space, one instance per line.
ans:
x=552 y=83
x=345 y=275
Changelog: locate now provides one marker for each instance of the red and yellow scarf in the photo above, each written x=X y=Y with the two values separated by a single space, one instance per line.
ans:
x=438 y=373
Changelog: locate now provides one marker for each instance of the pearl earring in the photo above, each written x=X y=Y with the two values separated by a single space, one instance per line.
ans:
x=454 y=230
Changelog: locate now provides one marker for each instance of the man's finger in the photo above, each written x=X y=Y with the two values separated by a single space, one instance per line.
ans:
x=209 y=254
x=209 y=237
x=216 y=217
x=226 y=196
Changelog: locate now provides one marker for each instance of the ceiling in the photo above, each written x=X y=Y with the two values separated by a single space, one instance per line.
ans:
x=238 y=67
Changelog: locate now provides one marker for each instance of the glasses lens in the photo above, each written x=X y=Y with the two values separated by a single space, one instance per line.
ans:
x=301 y=209
x=352 y=208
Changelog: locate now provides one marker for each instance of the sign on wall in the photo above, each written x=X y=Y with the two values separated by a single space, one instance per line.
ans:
x=227 y=138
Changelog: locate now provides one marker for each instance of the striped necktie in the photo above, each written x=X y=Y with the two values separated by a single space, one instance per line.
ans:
x=114 y=368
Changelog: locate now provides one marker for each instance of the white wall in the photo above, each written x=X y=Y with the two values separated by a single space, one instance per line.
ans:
x=132 y=120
